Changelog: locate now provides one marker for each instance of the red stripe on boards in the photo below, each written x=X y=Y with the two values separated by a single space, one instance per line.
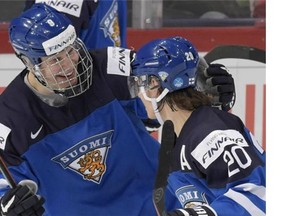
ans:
x=264 y=119
x=250 y=108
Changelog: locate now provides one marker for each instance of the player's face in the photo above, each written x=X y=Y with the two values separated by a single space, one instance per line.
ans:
x=60 y=70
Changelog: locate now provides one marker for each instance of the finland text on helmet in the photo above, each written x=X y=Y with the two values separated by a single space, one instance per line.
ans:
x=174 y=61
x=46 y=42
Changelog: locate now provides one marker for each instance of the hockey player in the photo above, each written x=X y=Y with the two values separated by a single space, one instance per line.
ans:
x=217 y=167
x=98 y=24
x=67 y=129
x=62 y=126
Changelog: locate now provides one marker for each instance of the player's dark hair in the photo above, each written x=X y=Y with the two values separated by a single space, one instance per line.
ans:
x=185 y=99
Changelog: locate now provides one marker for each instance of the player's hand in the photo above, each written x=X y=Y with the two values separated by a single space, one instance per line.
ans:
x=22 y=201
x=220 y=86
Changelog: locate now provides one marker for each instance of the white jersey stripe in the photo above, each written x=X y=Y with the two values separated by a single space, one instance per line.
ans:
x=244 y=202
x=259 y=191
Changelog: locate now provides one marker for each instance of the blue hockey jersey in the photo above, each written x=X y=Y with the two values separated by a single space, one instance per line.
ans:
x=107 y=26
x=92 y=156
x=217 y=161
x=99 y=24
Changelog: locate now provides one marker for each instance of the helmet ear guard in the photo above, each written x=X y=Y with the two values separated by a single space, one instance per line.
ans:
x=26 y=61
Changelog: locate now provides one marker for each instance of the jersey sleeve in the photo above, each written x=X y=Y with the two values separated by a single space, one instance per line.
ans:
x=118 y=70
x=244 y=198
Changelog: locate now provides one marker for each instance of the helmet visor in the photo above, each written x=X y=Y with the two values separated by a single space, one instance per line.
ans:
x=142 y=83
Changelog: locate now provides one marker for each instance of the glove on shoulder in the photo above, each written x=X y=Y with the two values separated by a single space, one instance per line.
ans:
x=217 y=82
x=22 y=201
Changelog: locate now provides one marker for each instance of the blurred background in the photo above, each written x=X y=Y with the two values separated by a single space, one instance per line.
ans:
x=170 y=13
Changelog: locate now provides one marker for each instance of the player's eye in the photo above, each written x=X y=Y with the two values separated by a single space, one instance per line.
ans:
x=153 y=82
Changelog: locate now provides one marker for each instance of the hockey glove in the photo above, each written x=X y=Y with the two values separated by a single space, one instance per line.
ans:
x=22 y=201
x=151 y=125
x=219 y=84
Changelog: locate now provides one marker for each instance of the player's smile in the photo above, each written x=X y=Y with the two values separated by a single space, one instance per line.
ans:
x=69 y=75
x=60 y=70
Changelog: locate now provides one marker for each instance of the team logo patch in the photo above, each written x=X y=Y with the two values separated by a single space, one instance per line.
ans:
x=163 y=75
x=192 y=81
x=110 y=24
x=190 y=194
x=178 y=82
x=88 y=157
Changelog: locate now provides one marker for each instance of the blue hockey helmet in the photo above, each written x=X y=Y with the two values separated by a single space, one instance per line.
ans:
x=174 y=61
x=29 y=32
x=47 y=43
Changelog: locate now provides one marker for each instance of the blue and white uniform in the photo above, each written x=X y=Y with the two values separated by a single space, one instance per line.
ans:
x=99 y=24
x=216 y=161
x=92 y=156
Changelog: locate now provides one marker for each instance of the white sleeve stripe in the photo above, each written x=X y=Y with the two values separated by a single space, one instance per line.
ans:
x=256 y=144
x=185 y=213
x=244 y=202
x=259 y=191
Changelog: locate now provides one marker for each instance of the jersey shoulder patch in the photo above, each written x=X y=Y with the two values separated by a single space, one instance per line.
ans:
x=212 y=147
x=118 y=61
x=4 y=132
x=70 y=7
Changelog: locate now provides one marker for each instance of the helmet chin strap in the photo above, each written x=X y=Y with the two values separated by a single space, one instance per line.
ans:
x=154 y=102
x=156 y=111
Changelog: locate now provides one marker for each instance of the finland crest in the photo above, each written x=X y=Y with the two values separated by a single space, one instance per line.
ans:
x=88 y=157
x=110 y=24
